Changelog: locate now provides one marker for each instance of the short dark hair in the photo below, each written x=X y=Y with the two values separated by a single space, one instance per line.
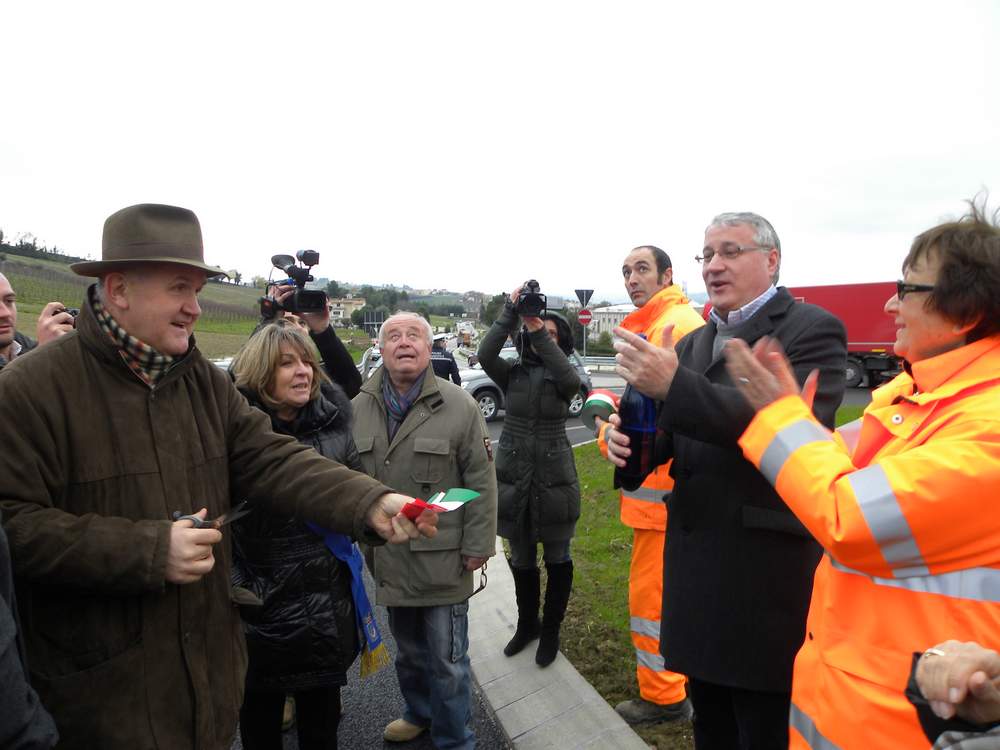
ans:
x=968 y=284
x=661 y=258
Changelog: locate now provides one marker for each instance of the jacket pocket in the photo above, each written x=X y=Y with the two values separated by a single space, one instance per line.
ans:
x=559 y=468
x=431 y=457
x=121 y=718
x=755 y=517
x=512 y=466
x=366 y=452
x=437 y=563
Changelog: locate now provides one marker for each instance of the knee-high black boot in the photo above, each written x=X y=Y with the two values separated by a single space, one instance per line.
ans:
x=527 y=592
x=556 y=598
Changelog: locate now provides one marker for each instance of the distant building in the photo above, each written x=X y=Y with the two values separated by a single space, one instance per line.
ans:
x=342 y=307
x=555 y=301
x=606 y=318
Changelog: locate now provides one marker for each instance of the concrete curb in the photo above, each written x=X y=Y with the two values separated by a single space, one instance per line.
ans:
x=537 y=708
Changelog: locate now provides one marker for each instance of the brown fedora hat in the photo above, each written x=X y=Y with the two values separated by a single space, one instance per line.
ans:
x=149 y=233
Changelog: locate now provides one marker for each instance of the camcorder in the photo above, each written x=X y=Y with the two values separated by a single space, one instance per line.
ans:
x=302 y=300
x=531 y=303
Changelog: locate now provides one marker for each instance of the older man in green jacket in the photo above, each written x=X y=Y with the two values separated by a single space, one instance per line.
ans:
x=420 y=434
x=132 y=638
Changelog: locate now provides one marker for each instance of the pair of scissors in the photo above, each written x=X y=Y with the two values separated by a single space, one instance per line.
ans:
x=228 y=517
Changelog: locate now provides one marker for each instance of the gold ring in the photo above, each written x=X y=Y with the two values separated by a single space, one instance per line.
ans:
x=934 y=652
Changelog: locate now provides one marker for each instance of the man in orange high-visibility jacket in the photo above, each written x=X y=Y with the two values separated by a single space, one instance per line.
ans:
x=904 y=504
x=649 y=281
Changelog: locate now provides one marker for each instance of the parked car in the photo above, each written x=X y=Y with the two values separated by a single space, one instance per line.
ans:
x=490 y=397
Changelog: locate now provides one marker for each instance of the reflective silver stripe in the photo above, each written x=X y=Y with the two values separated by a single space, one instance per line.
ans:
x=642 y=626
x=650 y=660
x=977 y=584
x=802 y=722
x=645 y=494
x=850 y=433
x=786 y=442
x=886 y=522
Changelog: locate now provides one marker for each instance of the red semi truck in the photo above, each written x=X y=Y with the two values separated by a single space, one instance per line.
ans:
x=870 y=332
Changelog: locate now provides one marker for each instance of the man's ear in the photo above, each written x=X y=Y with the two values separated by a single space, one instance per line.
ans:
x=115 y=288
x=668 y=277
x=773 y=262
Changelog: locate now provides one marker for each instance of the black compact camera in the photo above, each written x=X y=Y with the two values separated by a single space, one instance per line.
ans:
x=531 y=303
x=74 y=311
x=302 y=300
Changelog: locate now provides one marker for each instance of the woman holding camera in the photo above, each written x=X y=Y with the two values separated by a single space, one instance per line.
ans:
x=539 y=495
x=305 y=636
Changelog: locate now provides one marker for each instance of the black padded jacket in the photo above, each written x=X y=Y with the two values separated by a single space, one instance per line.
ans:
x=305 y=636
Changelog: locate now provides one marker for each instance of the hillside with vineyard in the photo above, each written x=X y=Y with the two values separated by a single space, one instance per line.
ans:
x=229 y=311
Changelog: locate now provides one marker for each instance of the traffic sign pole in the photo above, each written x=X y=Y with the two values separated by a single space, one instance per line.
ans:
x=583 y=318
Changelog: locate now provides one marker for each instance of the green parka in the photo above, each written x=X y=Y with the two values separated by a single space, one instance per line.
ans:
x=442 y=443
x=92 y=465
x=539 y=494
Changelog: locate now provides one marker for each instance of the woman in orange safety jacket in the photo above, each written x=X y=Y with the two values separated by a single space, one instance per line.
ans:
x=904 y=502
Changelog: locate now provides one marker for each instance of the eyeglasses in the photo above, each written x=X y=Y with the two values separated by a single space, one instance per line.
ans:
x=902 y=288
x=728 y=251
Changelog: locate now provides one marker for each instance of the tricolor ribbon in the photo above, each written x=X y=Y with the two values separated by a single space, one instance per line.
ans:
x=439 y=502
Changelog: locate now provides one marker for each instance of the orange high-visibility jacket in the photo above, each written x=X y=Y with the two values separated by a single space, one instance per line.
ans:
x=643 y=508
x=906 y=510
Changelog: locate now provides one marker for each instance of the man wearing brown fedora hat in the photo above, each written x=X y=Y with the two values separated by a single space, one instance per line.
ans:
x=107 y=433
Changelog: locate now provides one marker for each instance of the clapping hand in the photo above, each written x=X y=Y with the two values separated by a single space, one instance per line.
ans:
x=764 y=374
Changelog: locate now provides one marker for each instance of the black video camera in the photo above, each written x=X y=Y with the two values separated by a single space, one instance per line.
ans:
x=302 y=300
x=531 y=303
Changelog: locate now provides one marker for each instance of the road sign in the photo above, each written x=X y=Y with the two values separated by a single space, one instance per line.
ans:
x=584 y=317
x=584 y=296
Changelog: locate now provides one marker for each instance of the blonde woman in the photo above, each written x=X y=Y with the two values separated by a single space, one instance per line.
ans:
x=294 y=649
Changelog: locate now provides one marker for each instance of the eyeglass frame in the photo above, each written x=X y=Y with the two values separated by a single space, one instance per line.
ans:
x=740 y=249
x=903 y=288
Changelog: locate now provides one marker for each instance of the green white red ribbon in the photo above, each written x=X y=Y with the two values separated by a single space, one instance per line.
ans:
x=439 y=502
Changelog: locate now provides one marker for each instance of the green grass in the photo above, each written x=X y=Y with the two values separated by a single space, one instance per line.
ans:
x=847 y=414
x=595 y=635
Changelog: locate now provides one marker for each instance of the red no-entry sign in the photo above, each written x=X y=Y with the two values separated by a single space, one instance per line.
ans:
x=584 y=317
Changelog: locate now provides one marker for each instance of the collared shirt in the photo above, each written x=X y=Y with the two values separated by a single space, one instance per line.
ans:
x=140 y=357
x=15 y=349
x=736 y=317
x=19 y=345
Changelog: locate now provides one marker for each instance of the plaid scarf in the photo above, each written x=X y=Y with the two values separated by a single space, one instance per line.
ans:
x=398 y=404
x=142 y=359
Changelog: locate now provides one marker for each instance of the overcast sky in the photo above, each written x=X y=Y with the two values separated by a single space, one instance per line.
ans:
x=469 y=145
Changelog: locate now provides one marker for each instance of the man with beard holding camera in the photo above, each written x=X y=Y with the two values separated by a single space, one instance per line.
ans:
x=53 y=322
x=109 y=433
